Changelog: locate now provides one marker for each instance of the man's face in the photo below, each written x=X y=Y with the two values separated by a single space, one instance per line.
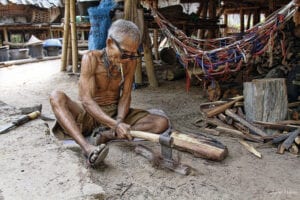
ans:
x=127 y=49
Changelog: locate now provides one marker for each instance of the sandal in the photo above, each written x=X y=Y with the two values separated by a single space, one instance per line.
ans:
x=97 y=156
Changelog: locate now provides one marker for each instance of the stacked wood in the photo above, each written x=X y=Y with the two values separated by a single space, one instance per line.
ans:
x=228 y=117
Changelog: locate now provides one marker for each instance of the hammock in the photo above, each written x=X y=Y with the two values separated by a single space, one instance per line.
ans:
x=223 y=56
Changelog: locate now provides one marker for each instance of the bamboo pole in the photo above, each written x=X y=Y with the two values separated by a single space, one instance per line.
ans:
x=74 y=36
x=131 y=13
x=63 y=66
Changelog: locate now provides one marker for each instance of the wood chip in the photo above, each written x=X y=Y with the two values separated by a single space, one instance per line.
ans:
x=250 y=148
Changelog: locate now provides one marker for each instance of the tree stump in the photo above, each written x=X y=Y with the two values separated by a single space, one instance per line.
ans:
x=266 y=100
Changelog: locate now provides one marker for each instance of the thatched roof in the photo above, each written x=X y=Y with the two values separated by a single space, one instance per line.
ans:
x=38 y=3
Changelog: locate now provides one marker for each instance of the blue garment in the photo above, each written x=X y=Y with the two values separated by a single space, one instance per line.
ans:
x=100 y=22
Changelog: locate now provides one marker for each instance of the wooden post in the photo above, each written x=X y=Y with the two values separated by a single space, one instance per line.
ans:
x=242 y=21
x=148 y=59
x=266 y=100
x=155 y=44
x=203 y=16
x=212 y=15
x=74 y=37
x=6 y=39
x=137 y=16
x=63 y=66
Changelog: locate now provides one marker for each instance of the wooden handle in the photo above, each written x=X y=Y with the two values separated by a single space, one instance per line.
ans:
x=34 y=114
x=145 y=135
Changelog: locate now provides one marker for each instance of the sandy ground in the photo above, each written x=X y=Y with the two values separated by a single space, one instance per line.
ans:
x=35 y=165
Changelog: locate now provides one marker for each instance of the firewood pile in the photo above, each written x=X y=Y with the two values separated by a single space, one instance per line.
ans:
x=228 y=117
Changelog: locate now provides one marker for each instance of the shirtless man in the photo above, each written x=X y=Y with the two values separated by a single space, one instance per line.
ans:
x=105 y=86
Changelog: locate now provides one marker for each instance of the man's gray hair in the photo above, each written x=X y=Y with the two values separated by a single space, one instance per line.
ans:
x=123 y=27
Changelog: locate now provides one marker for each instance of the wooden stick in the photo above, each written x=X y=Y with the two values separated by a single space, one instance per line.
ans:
x=250 y=148
x=223 y=107
x=285 y=122
x=211 y=131
x=226 y=119
x=237 y=133
x=289 y=141
x=273 y=125
x=252 y=128
x=294 y=104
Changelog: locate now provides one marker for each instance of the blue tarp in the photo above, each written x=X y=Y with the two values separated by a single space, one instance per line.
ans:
x=100 y=22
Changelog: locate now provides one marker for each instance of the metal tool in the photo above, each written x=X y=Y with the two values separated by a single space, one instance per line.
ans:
x=20 y=121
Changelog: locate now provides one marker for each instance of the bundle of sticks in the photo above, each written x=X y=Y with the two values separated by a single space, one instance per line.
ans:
x=229 y=117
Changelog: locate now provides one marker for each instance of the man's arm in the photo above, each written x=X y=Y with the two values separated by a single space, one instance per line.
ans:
x=87 y=87
x=125 y=99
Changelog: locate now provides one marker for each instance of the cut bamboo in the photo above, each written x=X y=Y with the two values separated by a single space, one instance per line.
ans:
x=63 y=66
x=74 y=36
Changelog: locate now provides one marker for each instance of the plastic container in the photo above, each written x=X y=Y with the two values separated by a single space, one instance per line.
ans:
x=36 y=51
x=17 y=54
x=52 y=43
x=52 y=51
x=4 y=55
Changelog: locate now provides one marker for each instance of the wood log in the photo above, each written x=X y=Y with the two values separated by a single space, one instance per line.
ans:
x=199 y=145
x=280 y=149
x=250 y=148
x=266 y=100
x=294 y=149
x=251 y=127
x=223 y=107
x=290 y=140
x=297 y=140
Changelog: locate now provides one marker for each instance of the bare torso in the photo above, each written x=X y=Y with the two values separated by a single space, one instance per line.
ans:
x=107 y=80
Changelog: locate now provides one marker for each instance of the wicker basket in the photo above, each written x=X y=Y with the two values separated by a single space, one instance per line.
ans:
x=40 y=16
x=12 y=10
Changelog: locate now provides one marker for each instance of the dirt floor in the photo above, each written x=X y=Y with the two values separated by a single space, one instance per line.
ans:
x=49 y=164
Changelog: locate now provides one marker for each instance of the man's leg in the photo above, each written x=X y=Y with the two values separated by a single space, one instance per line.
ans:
x=66 y=111
x=152 y=123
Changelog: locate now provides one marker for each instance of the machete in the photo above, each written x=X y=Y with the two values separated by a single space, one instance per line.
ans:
x=20 y=121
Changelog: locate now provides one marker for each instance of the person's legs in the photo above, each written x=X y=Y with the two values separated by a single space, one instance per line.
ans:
x=140 y=120
x=66 y=112
x=152 y=123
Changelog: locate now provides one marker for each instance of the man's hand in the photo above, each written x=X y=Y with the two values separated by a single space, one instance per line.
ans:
x=122 y=131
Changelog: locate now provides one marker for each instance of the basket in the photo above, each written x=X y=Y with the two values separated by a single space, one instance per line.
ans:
x=12 y=10
x=40 y=16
